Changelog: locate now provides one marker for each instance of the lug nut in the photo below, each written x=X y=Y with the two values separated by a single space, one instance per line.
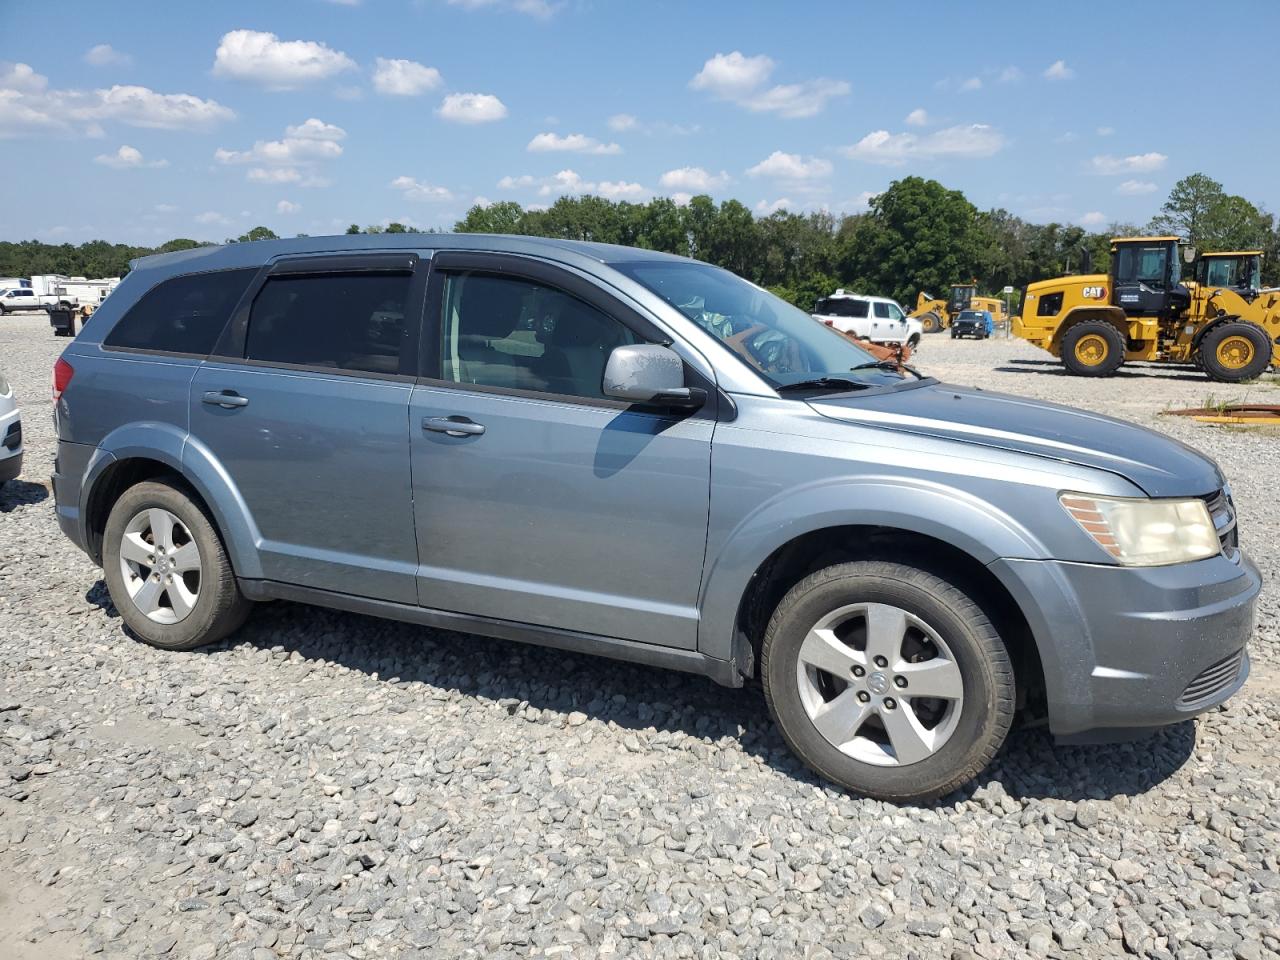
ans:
x=889 y=703
x=899 y=681
x=858 y=671
x=863 y=696
x=881 y=662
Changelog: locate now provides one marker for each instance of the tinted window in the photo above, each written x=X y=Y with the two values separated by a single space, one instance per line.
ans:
x=352 y=321
x=842 y=307
x=524 y=335
x=882 y=310
x=182 y=315
x=1050 y=305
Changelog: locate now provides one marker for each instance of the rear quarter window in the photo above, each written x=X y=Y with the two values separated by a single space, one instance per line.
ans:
x=182 y=315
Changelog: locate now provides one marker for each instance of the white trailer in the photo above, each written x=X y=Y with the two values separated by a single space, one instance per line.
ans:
x=62 y=297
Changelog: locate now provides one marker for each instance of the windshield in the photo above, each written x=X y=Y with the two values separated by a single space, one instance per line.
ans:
x=778 y=341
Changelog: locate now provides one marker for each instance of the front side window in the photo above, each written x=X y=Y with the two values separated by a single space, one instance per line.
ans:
x=353 y=321
x=895 y=312
x=182 y=315
x=519 y=334
x=1147 y=264
x=773 y=338
x=882 y=311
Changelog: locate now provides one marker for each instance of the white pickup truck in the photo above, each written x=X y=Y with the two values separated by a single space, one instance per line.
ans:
x=877 y=319
x=63 y=298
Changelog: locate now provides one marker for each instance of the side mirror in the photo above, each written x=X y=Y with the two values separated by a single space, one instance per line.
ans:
x=1188 y=254
x=651 y=374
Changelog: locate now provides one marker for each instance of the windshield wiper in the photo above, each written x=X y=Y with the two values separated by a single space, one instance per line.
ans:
x=825 y=383
x=893 y=365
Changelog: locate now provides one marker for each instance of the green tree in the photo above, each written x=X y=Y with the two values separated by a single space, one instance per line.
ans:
x=354 y=228
x=506 y=216
x=257 y=233
x=1190 y=206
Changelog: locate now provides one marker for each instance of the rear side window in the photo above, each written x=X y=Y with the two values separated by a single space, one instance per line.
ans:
x=842 y=307
x=882 y=310
x=1050 y=305
x=182 y=315
x=353 y=321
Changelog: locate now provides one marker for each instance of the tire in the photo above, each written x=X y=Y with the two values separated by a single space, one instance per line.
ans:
x=1092 y=348
x=931 y=322
x=961 y=733
x=177 y=610
x=1235 y=351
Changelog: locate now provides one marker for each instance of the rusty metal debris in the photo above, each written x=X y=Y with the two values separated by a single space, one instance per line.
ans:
x=897 y=352
x=1238 y=414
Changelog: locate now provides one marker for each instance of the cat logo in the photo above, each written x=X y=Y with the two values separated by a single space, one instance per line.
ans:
x=1094 y=293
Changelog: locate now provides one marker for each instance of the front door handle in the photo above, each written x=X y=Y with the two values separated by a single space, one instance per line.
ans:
x=226 y=399
x=453 y=426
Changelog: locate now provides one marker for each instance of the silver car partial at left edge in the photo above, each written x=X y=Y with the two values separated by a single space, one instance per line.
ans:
x=614 y=451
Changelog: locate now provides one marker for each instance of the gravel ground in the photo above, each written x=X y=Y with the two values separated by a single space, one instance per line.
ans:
x=335 y=786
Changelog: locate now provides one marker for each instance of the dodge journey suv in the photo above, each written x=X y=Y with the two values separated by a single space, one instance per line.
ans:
x=616 y=451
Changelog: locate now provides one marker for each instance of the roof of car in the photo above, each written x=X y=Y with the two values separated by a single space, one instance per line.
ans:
x=258 y=252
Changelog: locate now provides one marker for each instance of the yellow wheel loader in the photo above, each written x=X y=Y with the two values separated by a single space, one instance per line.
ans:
x=1142 y=310
x=935 y=315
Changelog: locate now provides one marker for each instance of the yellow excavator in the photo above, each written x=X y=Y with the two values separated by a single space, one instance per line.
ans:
x=1221 y=320
x=935 y=315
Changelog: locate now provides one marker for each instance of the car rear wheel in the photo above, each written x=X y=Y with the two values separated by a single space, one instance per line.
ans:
x=1093 y=348
x=887 y=680
x=167 y=571
x=1235 y=351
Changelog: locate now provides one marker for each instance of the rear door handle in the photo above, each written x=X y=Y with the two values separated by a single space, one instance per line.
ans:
x=453 y=426
x=226 y=399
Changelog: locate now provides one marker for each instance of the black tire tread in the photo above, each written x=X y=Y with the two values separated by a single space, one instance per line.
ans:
x=1208 y=362
x=1105 y=330
x=992 y=648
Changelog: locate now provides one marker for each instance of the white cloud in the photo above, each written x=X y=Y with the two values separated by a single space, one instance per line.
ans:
x=265 y=59
x=1136 y=187
x=292 y=159
x=681 y=198
x=404 y=78
x=313 y=129
x=1106 y=131
x=1058 y=70
x=349 y=92
x=573 y=143
x=472 y=108
x=571 y=183
x=541 y=9
x=765 y=207
x=741 y=79
x=621 y=122
x=421 y=191
x=1093 y=218
x=28 y=106
x=694 y=179
x=165 y=208
x=917 y=118
x=791 y=166
x=1010 y=75
x=287 y=207
x=274 y=175
x=105 y=55
x=211 y=216
x=1068 y=137
x=973 y=83
x=893 y=149
x=127 y=157
x=1109 y=166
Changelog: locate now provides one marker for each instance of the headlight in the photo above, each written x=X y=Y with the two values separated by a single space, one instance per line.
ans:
x=5 y=390
x=1145 y=533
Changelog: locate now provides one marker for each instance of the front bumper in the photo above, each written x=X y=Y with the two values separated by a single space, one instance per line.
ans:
x=10 y=465
x=1129 y=649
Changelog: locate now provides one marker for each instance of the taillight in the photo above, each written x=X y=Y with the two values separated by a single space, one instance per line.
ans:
x=62 y=374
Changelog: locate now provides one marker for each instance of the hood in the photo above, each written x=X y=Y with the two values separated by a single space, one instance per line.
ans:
x=1161 y=466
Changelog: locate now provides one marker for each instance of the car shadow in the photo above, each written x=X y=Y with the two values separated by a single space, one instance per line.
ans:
x=21 y=493
x=642 y=699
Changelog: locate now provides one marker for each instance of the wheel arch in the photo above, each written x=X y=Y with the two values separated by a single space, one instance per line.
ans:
x=140 y=452
x=1078 y=315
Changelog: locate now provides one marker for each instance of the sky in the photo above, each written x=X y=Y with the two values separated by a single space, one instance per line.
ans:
x=139 y=121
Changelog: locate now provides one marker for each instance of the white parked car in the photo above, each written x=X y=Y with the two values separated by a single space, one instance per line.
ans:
x=878 y=319
x=10 y=434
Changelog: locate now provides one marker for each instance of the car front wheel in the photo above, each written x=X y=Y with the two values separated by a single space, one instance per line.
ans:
x=887 y=680
x=167 y=570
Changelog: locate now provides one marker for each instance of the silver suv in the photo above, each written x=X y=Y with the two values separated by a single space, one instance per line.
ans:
x=616 y=451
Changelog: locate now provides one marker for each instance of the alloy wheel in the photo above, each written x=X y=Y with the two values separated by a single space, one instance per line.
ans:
x=160 y=565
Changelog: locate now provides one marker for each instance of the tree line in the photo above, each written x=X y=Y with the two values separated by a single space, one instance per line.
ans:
x=917 y=235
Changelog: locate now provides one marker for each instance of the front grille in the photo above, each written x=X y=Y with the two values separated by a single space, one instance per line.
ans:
x=13 y=436
x=1211 y=681
x=1223 y=512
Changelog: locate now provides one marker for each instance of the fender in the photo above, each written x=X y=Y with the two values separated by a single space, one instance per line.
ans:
x=191 y=460
x=975 y=526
